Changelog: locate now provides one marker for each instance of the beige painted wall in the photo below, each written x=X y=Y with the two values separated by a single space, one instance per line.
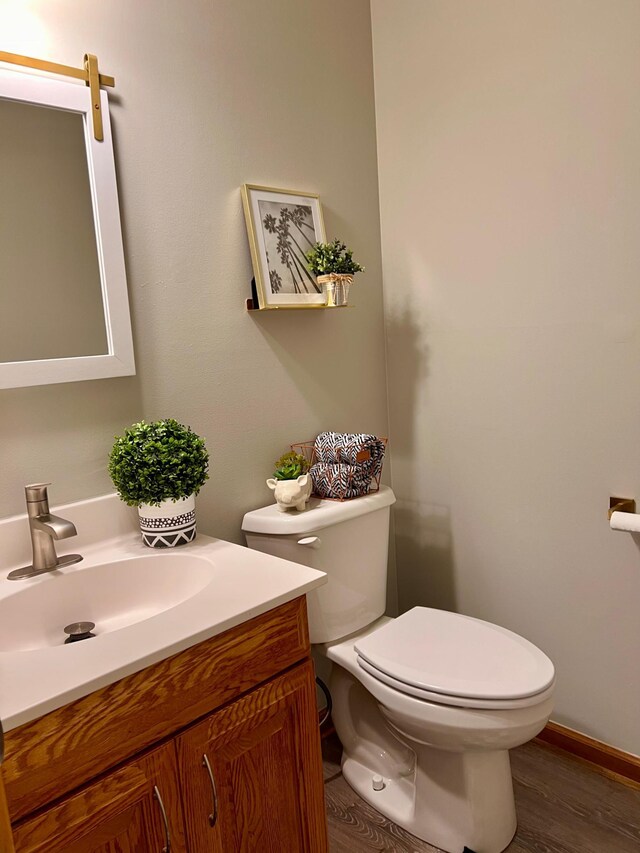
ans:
x=508 y=136
x=209 y=95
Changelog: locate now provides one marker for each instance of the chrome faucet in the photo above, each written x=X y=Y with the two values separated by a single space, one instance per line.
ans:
x=45 y=528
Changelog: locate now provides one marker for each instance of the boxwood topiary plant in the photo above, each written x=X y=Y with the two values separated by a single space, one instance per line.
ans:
x=160 y=461
x=290 y=466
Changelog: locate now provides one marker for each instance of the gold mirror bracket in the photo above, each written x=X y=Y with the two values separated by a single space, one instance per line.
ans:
x=93 y=82
x=89 y=73
x=621 y=505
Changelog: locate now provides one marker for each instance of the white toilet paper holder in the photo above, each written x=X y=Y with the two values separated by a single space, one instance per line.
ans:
x=621 y=505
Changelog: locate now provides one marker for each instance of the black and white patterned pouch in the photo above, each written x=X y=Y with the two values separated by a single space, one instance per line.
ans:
x=346 y=464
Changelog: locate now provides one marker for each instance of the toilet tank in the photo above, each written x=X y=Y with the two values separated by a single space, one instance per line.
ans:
x=348 y=540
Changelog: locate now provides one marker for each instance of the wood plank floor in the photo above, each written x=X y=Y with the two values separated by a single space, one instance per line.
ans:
x=563 y=807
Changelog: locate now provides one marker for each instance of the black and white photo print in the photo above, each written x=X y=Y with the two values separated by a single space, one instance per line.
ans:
x=282 y=225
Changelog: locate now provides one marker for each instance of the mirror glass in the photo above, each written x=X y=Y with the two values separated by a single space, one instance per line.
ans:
x=64 y=306
x=50 y=289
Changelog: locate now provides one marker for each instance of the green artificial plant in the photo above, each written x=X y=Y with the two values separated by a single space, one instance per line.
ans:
x=326 y=258
x=159 y=461
x=290 y=466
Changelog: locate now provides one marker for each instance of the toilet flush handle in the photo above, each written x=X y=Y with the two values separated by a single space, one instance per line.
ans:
x=311 y=542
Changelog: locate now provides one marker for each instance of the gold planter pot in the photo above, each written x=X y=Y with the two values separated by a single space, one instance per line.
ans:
x=335 y=289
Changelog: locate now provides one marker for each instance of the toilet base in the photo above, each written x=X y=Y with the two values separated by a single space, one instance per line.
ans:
x=446 y=774
x=450 y=798
x=465 y=799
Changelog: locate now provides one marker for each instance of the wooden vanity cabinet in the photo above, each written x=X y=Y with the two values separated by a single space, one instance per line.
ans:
x=246 y=777
x=6 y=836
x=245 y=773
x=134 y=809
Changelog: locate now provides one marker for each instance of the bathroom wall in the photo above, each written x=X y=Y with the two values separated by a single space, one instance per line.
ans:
x=508 y=136
x=211 y=94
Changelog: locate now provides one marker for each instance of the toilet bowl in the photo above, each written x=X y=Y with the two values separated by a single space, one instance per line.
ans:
x=427 y=705
x=445 y=765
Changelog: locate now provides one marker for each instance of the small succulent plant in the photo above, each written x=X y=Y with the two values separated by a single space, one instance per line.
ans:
x=290 y=466
x=326 y=258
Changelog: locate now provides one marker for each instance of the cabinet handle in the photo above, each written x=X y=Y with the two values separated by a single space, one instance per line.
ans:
x=167 y=833
x=213 y=817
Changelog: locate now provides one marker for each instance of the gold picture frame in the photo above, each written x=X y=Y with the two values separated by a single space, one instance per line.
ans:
x=281 y=226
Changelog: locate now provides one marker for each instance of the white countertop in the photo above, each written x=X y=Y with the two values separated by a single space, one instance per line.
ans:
x=243 y=584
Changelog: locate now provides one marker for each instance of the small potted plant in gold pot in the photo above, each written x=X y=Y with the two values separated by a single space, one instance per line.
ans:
x=334 y=268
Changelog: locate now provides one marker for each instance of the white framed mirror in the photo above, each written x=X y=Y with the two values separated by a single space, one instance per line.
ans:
x=64 y=309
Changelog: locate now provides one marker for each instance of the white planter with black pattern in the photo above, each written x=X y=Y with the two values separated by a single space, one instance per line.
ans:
x=170 y=524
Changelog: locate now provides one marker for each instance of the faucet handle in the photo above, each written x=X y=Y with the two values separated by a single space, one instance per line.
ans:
x=36 y=492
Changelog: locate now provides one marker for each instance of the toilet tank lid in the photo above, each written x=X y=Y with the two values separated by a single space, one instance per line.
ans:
x=319 y=514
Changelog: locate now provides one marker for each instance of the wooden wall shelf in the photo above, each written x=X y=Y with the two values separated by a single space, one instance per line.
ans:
x=252 y=306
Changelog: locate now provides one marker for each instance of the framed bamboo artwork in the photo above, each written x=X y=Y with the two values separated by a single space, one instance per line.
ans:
x=282 y=225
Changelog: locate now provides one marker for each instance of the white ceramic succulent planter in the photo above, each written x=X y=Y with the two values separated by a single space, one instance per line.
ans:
x=170 y=524
x=292 y=494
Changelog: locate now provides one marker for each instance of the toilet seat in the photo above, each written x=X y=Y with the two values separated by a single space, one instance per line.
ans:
x=456 y=660
x=455 y=701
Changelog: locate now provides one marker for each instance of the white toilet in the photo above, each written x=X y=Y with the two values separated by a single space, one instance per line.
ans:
x=426 y=705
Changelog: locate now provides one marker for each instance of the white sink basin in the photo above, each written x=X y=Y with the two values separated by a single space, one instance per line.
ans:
x=147 y=604
x=112 y=595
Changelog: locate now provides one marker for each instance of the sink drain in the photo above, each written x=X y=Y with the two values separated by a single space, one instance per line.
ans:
x=79 y=631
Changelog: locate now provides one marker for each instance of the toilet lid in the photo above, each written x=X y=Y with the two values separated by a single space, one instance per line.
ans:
x=454 y=655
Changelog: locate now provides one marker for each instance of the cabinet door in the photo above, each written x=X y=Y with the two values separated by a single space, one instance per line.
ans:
x=136 y=809
x=251 y=773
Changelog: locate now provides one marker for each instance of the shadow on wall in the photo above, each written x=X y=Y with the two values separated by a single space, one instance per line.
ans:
x=408 y=357
x=424 y=555
x=423 y=538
